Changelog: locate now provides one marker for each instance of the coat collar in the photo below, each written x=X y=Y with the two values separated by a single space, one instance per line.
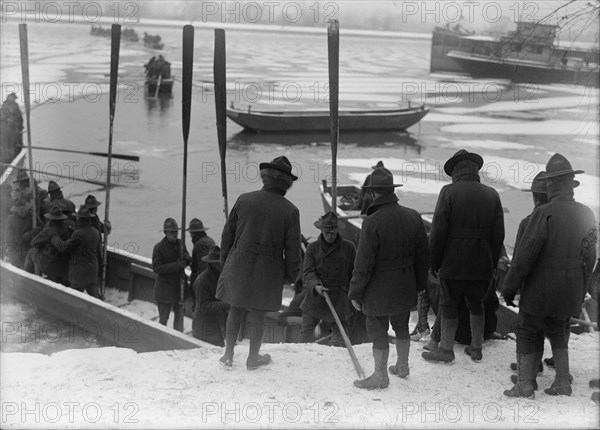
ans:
x=560 y=191
x=328 y=248
x=467 y=173
x=384 y=200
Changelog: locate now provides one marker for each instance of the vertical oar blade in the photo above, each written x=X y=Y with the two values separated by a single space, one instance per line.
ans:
x=220 y=80
x=186 y=104
x=333 y=48
x=25 y=76
x=115 y=47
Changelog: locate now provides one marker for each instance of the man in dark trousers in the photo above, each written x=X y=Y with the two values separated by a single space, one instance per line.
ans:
x=210 y=314
x=328 y=266
x=390 y=267
x=466 y=243
x=552 y=265
x=260 y=250
x=169 y=267
x=202 y=245
x=83 y=248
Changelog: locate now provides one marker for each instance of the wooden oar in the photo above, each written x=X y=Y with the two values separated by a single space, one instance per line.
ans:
x=357 y=367
x=333 y=48
x=99 y=154
x=157 y=86
x=221 y=107
x=186 y=103
x=25 y=76
x=58 y=175
x=114 y=69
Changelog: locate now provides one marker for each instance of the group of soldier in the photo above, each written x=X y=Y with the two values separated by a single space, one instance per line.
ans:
x=554 y=255
x=47 y=236
x=158 y=67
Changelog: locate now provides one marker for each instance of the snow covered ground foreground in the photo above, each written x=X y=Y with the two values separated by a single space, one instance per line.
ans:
x=306 y=386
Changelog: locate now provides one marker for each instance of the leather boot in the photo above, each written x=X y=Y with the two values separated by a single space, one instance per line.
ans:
x=379 y=378
x=401 y=367
x=431 y=346
x=561 y=385
x=527 y=364
x=477 y=326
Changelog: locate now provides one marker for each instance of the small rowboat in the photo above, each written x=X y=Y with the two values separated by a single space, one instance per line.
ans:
x=318 y=119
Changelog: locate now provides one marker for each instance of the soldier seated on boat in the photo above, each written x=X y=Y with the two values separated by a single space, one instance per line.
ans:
x=168 y=264
x=328 y=266
x=210 y=313
x=83 y=248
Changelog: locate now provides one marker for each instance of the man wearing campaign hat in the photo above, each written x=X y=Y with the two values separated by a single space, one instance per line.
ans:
x=202 y=245
x=328 y=266
x=364 y=196
x=390 y=267
x=551 y=267
x=169 y=267
x=210 y=313
x=57 y=199
x=260 y=250
x=466 y=240
x=92 y=204
x=53 y=263
x=83 y=248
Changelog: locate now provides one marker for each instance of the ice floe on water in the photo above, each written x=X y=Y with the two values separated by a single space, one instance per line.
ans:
x=573 y=128
x=487 y=144
x=470 y=119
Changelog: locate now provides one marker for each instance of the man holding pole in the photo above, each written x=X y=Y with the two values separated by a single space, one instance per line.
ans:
x=390 y=267
x=328 y=266
x=260 y=250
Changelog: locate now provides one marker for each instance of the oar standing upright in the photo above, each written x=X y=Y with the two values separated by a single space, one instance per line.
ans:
x=221 y=106
x=25 y=77
x=186 y=102
x=115 y=44
x=333 y=48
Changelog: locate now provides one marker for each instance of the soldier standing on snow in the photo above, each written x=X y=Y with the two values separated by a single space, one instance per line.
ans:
x=328 y=266
x=390 y=267
x=260 y=250
x=551 y=266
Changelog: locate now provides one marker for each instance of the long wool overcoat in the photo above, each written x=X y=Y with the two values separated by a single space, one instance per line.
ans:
x=260 y=250
x=392 y=259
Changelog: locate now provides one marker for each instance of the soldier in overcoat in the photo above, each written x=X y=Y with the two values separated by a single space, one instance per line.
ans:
x=328 y=266
x=551 y=266
x=210 y=314
x=260 y=250
x=466 y=240
x=169 y=267
x=390 y=267
x=83 y=248
x=202 y=245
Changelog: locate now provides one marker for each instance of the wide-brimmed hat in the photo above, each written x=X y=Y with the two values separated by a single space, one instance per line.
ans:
x=213 y=256
x=558 y=165
x=461 y=155
x=91 y=202
x=53 y=186
x=381 y=178
x=170 y=225
x=12 y=95
x=84 y=212
x=55 y=214
x=280 y=163
x=327 y=221
x=196 y=226
x=379 y=164
x=538 y=185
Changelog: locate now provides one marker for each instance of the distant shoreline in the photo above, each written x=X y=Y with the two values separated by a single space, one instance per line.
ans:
x=166 y=23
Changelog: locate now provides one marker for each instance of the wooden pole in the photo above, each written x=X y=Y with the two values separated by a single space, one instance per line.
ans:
x=158 y=86
x=186 y=101
x=357 y=367
x=99 y=154
x=333 y=45
x=220 y=78
x=27 y=101
x=115 y=45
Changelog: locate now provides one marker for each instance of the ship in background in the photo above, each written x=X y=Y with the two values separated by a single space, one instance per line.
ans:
x=528 y=54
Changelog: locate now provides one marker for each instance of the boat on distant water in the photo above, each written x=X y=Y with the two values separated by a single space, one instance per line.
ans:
x=527 y=54
x=318 y=119
x=127 y=34
x=159 y=80
x=153 y=42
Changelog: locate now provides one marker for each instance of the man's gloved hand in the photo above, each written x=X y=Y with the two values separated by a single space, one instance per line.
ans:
x=357 y=305
x=319 y=289
x=509 y=298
